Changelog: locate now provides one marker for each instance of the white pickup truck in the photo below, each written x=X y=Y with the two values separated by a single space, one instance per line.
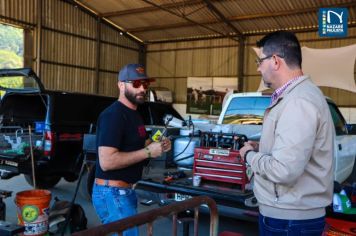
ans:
x=248 y=108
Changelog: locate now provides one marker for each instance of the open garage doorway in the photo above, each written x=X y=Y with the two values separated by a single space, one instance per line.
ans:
x=11 y=46
x=11 y=53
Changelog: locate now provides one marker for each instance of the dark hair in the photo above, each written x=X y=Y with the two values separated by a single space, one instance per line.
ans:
x=284 y=44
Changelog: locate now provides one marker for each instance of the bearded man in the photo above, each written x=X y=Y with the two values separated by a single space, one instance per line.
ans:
x=122 y=149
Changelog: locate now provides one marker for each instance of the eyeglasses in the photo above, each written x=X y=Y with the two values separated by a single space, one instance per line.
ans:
x=137 y=83
x=260 y=60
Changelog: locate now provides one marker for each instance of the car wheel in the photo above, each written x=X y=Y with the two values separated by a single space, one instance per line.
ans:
x=44 y=182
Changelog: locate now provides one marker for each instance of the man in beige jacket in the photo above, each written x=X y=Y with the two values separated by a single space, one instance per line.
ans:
x=293 y=163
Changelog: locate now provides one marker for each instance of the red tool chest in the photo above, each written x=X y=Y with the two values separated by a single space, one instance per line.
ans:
x=220 y=164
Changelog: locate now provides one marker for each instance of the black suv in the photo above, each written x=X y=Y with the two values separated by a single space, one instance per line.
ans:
x=50 y=125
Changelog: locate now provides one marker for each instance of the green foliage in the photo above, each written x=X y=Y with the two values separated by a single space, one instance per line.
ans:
x=11 y=39
x=11 y=54
x=9 y=59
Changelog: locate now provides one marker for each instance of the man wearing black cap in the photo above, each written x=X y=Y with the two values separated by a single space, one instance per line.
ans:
x=122 y=150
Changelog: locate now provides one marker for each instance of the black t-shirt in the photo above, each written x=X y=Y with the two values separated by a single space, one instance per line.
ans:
x=122 y=128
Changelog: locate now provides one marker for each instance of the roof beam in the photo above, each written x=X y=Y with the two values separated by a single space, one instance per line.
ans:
x=160 y=27
x=286 y=13
x=313 y=28
x=155 y=41
x=187 y=19
x=237 y=18
x=151 y=8
x=215 y=11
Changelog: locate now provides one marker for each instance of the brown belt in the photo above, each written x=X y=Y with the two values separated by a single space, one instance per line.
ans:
x=113 y=183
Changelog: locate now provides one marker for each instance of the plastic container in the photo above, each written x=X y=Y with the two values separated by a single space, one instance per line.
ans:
x=33 y=211
x=196 y=180
x=184 y=148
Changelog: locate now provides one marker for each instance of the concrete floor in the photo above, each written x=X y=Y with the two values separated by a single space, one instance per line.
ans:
x=65 y=190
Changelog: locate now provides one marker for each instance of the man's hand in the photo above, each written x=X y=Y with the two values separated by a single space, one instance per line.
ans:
x=166 y=144
x=155 y=149
x=254 y=144
x=250 y=145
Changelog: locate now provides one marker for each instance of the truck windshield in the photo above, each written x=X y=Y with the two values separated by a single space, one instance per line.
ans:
x=246 y=110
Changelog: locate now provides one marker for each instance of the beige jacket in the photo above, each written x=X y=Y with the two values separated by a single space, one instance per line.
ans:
x=294 y=166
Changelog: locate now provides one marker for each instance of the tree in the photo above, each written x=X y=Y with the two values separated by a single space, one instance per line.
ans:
x=11 y=39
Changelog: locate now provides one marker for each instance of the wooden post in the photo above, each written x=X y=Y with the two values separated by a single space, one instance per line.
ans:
x=240 y=66
x=39 y=38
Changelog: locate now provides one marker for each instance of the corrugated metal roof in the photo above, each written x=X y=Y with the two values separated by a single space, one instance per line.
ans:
x=172 y=20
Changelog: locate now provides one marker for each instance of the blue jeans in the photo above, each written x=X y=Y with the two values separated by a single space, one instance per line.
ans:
x=113 y=203
x=276 y=227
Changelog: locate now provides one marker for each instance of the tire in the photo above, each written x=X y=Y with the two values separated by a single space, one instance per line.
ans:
x=87 y=181
x=44 y=182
